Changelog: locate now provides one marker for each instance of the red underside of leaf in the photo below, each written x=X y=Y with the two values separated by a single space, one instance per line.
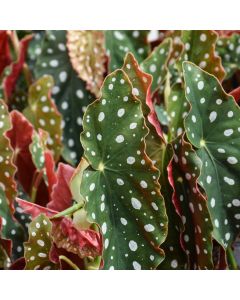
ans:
x=55 y=252
x=18 y=264
x=82 y=242
x=5 y=57
x=152 y=117
x=61 y=197
x=20 y=138
x=10 y=81
x=236 y=94
x=35 y=210
x=50 y=166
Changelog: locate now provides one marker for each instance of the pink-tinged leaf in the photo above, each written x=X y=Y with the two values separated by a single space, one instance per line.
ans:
x=50 y=170
x=34 y=209
x=5 y=57
x=224 y=33
x=57 y=253
x=175 y=256
x=192 y=206
x=84 y=243
x=20 y=136
x=236 y=94
x=61 y=197
x=16 y=67
x=18 y=264
x=8 y=169
x=141 y=83
x=88 y=61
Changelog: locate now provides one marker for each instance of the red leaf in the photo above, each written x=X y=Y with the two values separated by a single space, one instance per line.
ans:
x=61 y=197
x=20 y=138
x=81 y=242
x=5 y=57
x=227 y=32
x=18 y=264
x=50 y=170
x=34 y=209
x=152 y=117
x=16 y=67
x=236 y=94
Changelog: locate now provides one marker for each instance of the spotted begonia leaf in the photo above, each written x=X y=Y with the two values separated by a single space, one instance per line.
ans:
x=213 y=128
x=132 y=218
x=192 y=205
x=16 y=67
x=175 y=257
x=69 y=92
x=5 y=250
x=8 y=169
x=43 y=113
x=156 y=63
x=228 y=48
x=5 y=56
x=177 y=46
x=68 y=233
x=38 y=148
x=43 y=159
x=34 y=48
x=11 y=229
x=37 y=248
x=141 y=83
x=177 y=110
x=119 y=42
x=199 y=48
x=87 y=54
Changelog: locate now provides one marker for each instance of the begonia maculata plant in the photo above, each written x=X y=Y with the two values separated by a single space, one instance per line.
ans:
x=119 y=150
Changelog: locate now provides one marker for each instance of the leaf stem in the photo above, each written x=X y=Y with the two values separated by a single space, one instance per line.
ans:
x=36 y=183
x=68 y=211
x=231 y=259
x=69 y=262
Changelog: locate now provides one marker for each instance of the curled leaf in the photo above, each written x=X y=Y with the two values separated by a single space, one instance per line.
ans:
x=87 y=55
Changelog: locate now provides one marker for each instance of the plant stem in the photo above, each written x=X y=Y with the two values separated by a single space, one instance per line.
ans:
x=231 y=259
x=69 y=262
x=36 y=183
x=68 y=211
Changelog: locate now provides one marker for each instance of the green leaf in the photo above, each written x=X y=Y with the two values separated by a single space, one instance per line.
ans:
x=213 y=128
x=11 y=228
x=177 y=110
x=121 y=185
x=37 y=148
x=175 y=257
x=156 y=63
x=8 y=169
x=141 y=83
x=69 y=92
x=192 y=205
x=228 y=48
x=199 y=48
x=42 y=113
x=120 y=42
x=38 y=247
